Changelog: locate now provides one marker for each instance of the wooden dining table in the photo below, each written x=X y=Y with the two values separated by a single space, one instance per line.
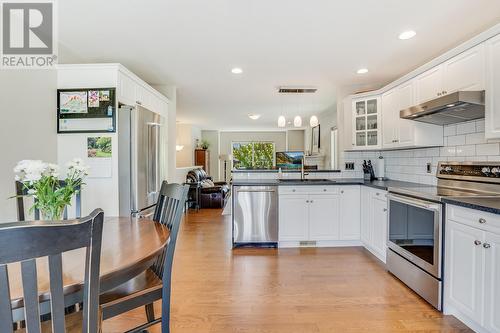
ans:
x=129 y=247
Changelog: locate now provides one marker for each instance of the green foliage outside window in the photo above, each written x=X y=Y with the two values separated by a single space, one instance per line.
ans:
x=253 y=155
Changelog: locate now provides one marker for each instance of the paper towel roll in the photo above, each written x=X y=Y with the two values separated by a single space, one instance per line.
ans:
x=380 y=170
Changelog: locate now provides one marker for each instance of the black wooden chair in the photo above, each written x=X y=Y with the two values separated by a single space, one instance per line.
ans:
x=24 y=242
x=154 y=283
x=21 y=214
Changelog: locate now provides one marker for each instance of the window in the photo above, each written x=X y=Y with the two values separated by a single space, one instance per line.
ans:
x=253 y=155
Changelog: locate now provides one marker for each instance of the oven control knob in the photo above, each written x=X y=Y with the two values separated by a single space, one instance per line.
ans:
x=486 y=171
x=448 y=169
x=496 y=171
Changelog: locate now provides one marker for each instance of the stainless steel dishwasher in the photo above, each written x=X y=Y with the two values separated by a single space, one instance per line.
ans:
x=255 y=215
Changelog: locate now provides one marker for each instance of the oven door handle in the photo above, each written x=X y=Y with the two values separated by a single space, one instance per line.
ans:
x=414 y=202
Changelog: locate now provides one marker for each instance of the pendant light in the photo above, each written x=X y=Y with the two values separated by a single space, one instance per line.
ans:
x=297 y=121
x=313 y=121
x=281 y=121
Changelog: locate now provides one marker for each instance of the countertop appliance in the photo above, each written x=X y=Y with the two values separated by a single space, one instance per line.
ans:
x=139 y=154
x=255 y=215
x=452 y=108
x=416 y=223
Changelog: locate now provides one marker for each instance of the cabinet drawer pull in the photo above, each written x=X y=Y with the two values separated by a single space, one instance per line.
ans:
x=377 y=193
x=307 y=201
x=342 y=191
x=482 y=221
x=486 y=245
x=293 y=190
x=477 y=242
x=324 y=190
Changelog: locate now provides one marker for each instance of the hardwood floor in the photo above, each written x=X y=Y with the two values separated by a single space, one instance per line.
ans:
x=217 y=289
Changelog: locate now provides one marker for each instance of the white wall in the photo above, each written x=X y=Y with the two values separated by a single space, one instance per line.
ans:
x=212 y=137
x=187 y=136
x=327 y=119
x=27 y=128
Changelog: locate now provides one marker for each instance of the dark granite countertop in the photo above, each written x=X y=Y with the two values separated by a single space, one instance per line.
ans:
x=282 y=170
x=486 y=204
x=379 y=184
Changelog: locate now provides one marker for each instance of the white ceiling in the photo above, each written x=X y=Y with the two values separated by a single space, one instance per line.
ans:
x=193 y=44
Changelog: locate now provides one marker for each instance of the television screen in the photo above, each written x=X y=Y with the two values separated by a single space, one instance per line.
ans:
x=289 y=159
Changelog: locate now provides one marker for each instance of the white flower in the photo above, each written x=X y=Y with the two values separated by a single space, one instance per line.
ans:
x=30 y=170
x=31 y=191
x=52 y=170
x=76 y=168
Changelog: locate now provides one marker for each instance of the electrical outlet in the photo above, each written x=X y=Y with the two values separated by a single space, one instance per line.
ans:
x=349 y=165
x=429 y=168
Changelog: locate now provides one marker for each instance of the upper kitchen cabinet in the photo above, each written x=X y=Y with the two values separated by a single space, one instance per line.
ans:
x=402 y=133
x=492 y=111
x=429 y=85
x=133 y=91
x=466 y=71
x=366 y=120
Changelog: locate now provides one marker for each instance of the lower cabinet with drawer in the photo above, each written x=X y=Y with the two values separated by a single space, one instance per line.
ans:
x=472 y=268
x=319 y=215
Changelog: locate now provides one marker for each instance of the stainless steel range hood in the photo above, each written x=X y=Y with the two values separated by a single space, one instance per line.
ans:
x=453 y=108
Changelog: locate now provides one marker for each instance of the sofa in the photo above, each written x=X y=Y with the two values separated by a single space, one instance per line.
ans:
x=204 y=192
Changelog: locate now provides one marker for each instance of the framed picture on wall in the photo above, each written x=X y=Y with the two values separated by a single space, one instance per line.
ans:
x=315 y=141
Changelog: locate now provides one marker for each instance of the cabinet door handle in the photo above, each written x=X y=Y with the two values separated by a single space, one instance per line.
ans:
x=385 y=209
x=293 y=190
x=307 y=201
x=477 y=242
x=342 y=191
x=482 y=221
x=324 y=190
x=377 y=193
x=486 y=245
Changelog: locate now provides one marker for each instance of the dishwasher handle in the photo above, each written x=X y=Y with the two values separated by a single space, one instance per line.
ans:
x=259 y=191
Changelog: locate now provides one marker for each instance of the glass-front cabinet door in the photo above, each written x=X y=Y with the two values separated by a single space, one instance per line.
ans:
x=366 y=123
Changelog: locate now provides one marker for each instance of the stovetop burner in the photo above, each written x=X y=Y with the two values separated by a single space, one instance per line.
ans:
x=459 y=180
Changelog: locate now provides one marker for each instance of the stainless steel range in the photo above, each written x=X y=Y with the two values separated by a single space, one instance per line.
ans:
x=416 y=223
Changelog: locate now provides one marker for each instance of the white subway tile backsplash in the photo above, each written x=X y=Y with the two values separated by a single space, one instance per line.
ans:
x=469 y=150
x=450 y=130
x=455 y=140
x=480 y=126
x=466 y=128
x=488 y=149
x=475 y=138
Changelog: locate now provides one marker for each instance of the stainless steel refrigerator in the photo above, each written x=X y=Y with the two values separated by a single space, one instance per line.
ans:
x=139 y=151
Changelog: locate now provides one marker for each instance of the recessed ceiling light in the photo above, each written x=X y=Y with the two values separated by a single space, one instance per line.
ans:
x=254 y=116
x=362 y=71
x=236 y=70
x=407 y=34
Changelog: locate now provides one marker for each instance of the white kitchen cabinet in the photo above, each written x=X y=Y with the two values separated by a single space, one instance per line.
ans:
x=429 y=85
x=472 y=268
x=324 y=214
x=402 y=133
x=366 y=123
x=492 y=283
x=389 y=118
x=365 y=225
x=492 y=108
x=374 y=221
x=465 y=71
x=126 y=89
x=379 y=227
x=323 y=217
x=350 y=212
x=294 y=217
x=463 y=273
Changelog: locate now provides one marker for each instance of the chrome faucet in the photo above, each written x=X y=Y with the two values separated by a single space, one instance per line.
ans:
x=302 y=173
